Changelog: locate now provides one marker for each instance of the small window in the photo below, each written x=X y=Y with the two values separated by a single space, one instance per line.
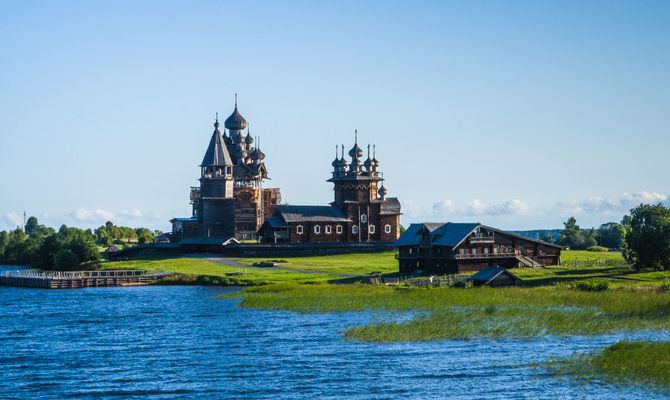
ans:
x=329 y=230
x=371 y=229
x=387 y=228
x=474 y=251
x=495 y=250
x=364 y=218
x=298 y=229
x=354 y=229
x=462 y=251
x=486 y=250
x=410 y=250
x=317 y=229
x=338 y=229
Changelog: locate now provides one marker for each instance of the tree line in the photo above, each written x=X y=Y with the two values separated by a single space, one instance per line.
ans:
x=66 y=249
x=643 y=236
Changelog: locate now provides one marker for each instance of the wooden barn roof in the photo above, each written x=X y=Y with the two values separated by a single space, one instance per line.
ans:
x=452 y=234
x=490 y=273
x=311 y=214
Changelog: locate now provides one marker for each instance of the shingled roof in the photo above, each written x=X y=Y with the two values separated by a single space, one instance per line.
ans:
x=452 y=234
x=390 y=206
x=216 y=154
x=311 y=214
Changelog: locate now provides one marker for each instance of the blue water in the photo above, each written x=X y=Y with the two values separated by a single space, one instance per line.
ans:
x=182 y=343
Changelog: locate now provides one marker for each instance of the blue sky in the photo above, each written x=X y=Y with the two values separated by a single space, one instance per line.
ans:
x=515 y=114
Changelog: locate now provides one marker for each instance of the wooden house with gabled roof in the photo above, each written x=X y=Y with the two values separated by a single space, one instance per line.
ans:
x=462 y=247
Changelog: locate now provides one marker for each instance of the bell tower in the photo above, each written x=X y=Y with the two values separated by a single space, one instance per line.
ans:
x=213 y=202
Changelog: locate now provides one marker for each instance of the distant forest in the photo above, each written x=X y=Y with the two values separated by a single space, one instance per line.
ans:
x=540 y=233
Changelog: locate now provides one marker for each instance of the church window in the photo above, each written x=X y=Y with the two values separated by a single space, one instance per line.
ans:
x=328 y=229
x=298 y=229
x=371 y=229
x=387 y=228
x=364 y=218
x=354 y=229
x=338 y=229
x=317 y=229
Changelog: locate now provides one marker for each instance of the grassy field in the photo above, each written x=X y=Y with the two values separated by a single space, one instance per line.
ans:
x=190 y=266
x=624 y=362
x=362 y=264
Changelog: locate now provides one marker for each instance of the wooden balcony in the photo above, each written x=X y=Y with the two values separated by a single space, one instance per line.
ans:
x=484 y=255
x=478 y=240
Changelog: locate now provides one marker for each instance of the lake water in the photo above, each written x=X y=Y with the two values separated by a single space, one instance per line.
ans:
x=181 y=343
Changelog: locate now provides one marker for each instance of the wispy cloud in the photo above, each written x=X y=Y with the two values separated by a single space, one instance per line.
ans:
x=94 y=216
x=448 y=207
x=12 y=220
x=607 y=205
x=134 y=213
x=412 y=209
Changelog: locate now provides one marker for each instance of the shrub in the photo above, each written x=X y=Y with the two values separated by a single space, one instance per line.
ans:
x=598 y=249
x=665 y=284
x=591 y=286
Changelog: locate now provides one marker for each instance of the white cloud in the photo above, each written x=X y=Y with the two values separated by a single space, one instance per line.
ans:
x=477 y=207
x=96 y=216
x=13 y=220
x=608 y=205
x=412 y=209
x=134 y=213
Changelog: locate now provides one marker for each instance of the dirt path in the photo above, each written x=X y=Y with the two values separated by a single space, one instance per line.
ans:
x=232 y=263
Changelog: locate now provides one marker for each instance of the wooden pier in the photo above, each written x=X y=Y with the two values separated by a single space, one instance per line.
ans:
x=81 y=279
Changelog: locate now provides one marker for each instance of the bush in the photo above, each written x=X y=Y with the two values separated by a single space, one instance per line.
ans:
x=591 y=286
x=665 y=284
x=67 y=260
x=598 y=249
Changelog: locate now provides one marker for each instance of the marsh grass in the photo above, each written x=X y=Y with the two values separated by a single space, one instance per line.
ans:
x=625 y=362
x=475 y=312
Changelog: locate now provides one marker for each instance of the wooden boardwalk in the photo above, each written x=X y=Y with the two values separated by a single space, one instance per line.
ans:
x=81 y=279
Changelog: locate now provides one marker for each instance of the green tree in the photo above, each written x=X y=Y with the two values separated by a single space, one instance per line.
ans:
x=31 y=226
x=648 y=239
x=4 y=239
x=611 y=235
x=67 y=260
x=144 y=235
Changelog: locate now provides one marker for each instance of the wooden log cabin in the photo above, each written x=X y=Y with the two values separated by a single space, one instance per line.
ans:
x=438 y=248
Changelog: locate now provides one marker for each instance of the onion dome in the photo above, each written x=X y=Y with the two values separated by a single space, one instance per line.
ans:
x=336 y=162
x=257 y=154
x=236 y=121
x=226 y=138
x=382 y=191
x=239 y=152
x=248 y=139
x=356 y=151
x=343 y=161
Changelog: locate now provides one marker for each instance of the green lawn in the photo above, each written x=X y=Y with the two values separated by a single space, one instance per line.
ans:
x=197 y=266
x=362 y=264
